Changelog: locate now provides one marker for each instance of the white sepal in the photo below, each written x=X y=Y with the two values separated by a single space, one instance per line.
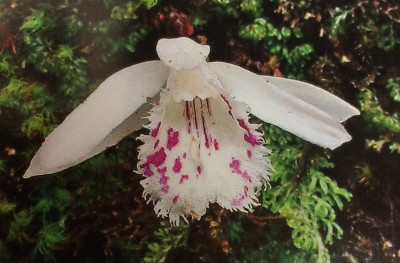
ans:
x=315 y=96
x=280 y=108
x=107 y=116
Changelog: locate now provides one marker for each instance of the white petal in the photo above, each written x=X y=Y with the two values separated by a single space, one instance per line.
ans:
x=280 y=108
x=102 y=120
x=132 y=123
x=181 y=53
x=319 y=98
x=200 y=152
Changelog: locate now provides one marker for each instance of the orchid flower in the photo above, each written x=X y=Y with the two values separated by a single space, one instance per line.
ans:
x=201 y=148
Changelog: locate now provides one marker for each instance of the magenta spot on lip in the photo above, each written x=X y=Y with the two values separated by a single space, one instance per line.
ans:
x=164 y=180
x=147 y=171
x=154 y=132
x=216 y=145
x=172 y=140
x=249 y=137
x=175 y=199
x=162 y=171
x=252 y=139
x=235 y=165
x=246 y=176
x=184 y=155
x=165 y=189
x=243 y=124
x=156 y=159
x=177 y=165
x=249 y=154
x=184 y=178
x=199 y=170
x=238 y=201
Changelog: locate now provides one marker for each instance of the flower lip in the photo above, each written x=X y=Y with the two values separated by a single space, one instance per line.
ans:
x=181 y=53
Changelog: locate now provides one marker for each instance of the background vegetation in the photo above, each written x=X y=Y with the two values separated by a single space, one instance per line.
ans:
x=53 y=54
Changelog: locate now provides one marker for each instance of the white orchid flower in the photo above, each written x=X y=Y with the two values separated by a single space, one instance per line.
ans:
x=201 y=147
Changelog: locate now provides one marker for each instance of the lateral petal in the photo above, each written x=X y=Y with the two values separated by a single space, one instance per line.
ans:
x=319 y=98
x=280 y=108
x=102 y=120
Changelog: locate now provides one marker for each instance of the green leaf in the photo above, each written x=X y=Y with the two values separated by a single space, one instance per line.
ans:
x=324 y=186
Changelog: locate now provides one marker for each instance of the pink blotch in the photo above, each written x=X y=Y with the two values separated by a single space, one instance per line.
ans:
x=243 y=124
x=162 y=171
x=177 y=166
x=246 y=176
x=154 y=132
x=252 y=139
x=199 y=170
x=249 y=137
x=172 y=140
x=165 y=189
x=147 y=171
x=164 y=180
x=157 y=158
x=238 y=201
x=249 y=154
x=184 y=178
x=216 y=145
x=235 y=165
x=175 y=199
x=184 y=155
